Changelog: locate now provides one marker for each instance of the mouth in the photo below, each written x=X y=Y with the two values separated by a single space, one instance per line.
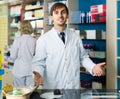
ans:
x=61 y=19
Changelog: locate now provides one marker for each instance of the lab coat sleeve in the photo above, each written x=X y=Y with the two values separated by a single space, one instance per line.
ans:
x=85 y=60
x=39 y=60
x=14 y=50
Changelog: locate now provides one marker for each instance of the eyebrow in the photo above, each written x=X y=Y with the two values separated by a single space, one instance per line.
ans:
x=61 y=10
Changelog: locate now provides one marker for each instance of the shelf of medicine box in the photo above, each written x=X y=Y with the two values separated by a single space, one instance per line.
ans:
x=32 y=18
x=88 y=23
x=14 y=26
x=15 y=15
x=34 y=8
x=38 y=34
x=31 y=1
x=97 y=54
x=94 y=39
x=39 y=28
x=96 y=42
x=98 y=60
x=17 y=3
x=50 y=24
x=15 y=12
x=88 y=77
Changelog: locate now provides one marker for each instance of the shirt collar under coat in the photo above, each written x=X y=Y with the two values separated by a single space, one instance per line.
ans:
x=56 y=34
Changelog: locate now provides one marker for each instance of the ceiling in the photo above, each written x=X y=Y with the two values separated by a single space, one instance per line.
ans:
x=9 y=1
x=15 y=1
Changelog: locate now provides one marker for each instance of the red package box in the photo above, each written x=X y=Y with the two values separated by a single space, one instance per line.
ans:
x=98 y=13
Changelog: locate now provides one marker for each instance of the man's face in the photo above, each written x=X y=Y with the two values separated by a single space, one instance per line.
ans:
x=59 y=16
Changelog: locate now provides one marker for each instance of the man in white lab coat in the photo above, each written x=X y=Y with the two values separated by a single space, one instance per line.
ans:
x=57 y=64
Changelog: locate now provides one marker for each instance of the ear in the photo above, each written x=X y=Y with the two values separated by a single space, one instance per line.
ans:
x=51 y=17
x=67 y=16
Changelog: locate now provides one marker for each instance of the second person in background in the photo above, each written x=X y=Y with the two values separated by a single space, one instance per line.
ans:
x=21 y=54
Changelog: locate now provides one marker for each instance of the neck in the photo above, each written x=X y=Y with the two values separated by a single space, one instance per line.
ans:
x=60 y=28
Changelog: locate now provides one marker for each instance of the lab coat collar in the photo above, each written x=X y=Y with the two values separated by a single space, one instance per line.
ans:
x=26 y=35
x=60 y=32
x=58 y=38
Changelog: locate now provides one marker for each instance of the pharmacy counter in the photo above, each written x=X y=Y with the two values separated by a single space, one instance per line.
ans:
x=77 y=94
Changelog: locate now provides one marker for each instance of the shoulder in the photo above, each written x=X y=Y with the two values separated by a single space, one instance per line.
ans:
x=28 y=36
x=31 y=37
x=16 y=41
x=17 y=38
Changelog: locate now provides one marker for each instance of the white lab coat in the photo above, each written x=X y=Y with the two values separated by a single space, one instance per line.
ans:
x=59 y=63
x=21 y=54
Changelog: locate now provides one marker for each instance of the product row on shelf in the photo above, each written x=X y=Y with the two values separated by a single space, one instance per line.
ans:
x=96 y=14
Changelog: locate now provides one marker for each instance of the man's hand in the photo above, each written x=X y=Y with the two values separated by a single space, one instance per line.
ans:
x=98 y=69
x=38 y=78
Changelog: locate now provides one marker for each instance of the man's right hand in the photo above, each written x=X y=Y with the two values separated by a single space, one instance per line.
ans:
x=38 y=78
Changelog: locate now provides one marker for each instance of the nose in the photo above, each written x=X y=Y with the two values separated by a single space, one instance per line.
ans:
x=60 y=14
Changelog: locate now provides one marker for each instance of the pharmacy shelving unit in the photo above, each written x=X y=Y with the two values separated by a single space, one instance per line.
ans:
x=34 y=12
x=26 y=10
x=14 y=21
x=98 y=44
x=113 y=44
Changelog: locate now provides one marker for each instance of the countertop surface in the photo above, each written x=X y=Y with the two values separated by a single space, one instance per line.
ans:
x=77 y=94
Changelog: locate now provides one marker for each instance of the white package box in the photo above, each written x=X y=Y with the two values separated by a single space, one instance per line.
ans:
x=91 y=34
x=103 y=35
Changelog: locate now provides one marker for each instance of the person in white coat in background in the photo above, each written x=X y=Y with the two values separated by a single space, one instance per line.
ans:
x=21 y=54
x=56 y=64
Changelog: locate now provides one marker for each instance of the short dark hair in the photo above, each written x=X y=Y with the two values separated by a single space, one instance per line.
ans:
x=58 y=5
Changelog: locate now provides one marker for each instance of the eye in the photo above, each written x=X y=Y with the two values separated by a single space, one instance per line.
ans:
x=56 y=12
x=64 y=12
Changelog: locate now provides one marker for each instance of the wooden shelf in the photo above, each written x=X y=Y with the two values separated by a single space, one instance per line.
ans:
x=34 y=8
x=32 y=18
